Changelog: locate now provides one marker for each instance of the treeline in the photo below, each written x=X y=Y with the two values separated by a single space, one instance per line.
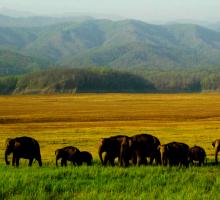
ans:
x=196 y=79
x=56 y=80
x=81 y=80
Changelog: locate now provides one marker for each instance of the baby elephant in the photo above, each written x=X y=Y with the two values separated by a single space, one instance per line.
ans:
x=198 y=154
x=68 y=153
x=86 y=157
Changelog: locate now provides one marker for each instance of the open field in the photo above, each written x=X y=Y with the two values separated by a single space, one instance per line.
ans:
x=81 y=120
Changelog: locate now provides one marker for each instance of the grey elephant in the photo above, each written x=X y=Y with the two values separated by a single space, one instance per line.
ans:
x=174 y=154
x=140 y=147
x=23 y=147
x=86 y=157
x=112 y=148
x=69 y=153
x=197 y=154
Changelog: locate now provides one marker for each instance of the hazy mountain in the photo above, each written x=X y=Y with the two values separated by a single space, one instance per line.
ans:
x=121 y=44
x=15 y=13
x=37 y=21
x=12 y=63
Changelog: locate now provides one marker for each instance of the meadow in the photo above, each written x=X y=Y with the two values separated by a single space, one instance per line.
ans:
x=82 y=119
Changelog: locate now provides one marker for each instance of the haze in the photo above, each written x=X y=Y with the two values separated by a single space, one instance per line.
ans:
x=147 y=10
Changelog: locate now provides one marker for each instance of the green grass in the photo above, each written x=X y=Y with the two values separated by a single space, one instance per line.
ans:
x=98 y=182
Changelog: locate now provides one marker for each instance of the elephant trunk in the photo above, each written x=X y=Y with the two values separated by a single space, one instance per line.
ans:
x=6 y=158
x=100 y=154
x=163 y=159
x=216 y=155
x=56 y=161
x=124 y=155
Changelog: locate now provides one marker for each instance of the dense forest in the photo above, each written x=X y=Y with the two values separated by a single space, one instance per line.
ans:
x=109 y=80
x=68 y=55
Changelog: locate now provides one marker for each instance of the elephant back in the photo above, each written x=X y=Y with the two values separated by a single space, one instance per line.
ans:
x=146 y=142
x=27 y=144
x=197 y=153
x=178 y=152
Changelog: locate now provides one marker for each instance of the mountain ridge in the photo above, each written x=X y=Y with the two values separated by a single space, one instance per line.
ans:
x=118 y=44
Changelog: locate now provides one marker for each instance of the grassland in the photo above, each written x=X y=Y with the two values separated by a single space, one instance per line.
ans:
x=110 y=183
x=81 y=120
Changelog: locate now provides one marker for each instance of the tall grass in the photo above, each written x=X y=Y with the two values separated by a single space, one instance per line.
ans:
x=98 y=182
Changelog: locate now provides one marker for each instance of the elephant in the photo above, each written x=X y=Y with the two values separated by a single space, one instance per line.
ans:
x=141 y=147
x=69 y=153
x=22 y=147
x=174 y=154
x=197 y=153
x=112 y=147
x=216 y=145
x=125 y=152
x=86 y=157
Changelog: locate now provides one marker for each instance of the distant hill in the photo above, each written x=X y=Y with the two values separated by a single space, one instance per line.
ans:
x=12 y=63
x=122 y=56
x=119 y=44
x=36 y=21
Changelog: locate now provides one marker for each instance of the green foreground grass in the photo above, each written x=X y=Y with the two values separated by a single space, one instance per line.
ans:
x=97 y=182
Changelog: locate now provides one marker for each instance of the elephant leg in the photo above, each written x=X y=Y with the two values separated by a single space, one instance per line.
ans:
x=106 y=159
x=30 y=162
x=134 y=159
x=144 y=161
x=89 y=163
x=17 y=161
x=186 y=162
x=63 y=162
x=79 y=162
x=13 y=160
x=74 y=163
x=126 y=162
x=151 y=160
x=190 y=161
x=38 y=158
x=139 y=160
x=112 y=162
x=39 y=162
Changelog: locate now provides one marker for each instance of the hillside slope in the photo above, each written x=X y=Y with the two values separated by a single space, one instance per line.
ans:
x=126 y=44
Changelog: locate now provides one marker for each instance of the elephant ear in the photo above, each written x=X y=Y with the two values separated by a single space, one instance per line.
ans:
x=57 y=151
x=17 y=144
x=8 y=140
x=213 y=144
x=102 y=140
x=72 y=151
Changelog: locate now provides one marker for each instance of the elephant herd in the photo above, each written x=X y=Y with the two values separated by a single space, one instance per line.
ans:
x=137 y=150
x=145 y=149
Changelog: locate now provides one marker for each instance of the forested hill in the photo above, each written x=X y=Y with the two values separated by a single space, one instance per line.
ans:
x=90 y=42
x=141 y=56
x=79 y=80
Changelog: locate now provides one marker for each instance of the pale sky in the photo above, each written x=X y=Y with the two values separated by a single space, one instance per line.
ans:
x=147 y=10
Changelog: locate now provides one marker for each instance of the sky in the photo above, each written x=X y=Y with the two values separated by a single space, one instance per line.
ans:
x=146 y=10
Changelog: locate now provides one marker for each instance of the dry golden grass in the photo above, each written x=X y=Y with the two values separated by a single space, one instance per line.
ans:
x=82 y=119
